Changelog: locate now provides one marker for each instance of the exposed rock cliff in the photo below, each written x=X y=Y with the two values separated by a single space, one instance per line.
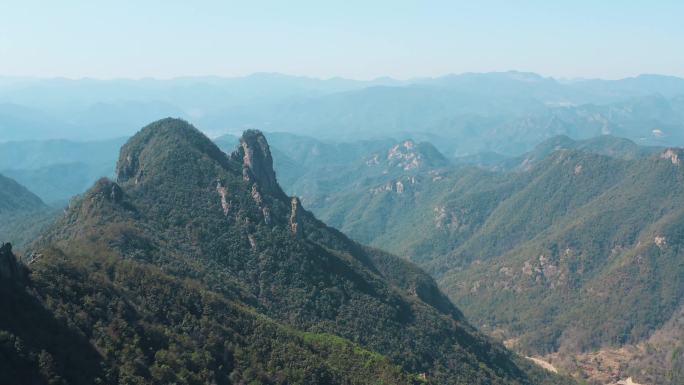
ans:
x=257 y=162
x=409 y=155
x=295 y=225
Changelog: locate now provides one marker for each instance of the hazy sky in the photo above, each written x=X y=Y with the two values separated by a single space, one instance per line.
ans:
x=356 y=39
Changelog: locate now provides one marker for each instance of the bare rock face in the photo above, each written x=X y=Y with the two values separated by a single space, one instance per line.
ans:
x=9 y=267
x=404 y=155
x=409 y=155
x=109 y=190
x=673 y=154
x=223 y=193
x=295 y=213
x=257 y=161
x=106 y=189
x=127 y=168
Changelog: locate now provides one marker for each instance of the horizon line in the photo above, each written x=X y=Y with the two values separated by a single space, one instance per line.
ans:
x=330 y=78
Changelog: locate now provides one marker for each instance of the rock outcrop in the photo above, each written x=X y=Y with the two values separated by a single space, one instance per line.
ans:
x=410 y=155
x=295 y=214
x=673 y=154
x=107 y=190
x=257 y=162
x=223 y=193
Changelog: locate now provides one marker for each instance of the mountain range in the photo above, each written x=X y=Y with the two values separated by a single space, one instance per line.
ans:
x=462 y=115
x=56 y=170
x=535 y=248
x=529 y=241
x=530 y=246
x=195 y=267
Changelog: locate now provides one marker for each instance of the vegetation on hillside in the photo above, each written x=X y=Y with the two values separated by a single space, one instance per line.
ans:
x=537 y=255
x=23 y=215
x=195 y=267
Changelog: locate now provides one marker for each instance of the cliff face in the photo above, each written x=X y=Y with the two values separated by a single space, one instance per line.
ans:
x=295 y=213
x=257 y=162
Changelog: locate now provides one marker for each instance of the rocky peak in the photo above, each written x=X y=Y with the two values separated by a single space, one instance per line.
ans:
x=409 y=155
x=403 y=155
x=257 y=162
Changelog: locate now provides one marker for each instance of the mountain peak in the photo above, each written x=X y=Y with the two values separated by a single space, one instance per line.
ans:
x=257 y=162
x=410 y=155
x=149 y=149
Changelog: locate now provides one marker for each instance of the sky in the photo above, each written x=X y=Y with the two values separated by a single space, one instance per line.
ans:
x=353 y=39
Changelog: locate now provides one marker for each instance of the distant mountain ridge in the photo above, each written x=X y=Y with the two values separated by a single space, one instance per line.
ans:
x=23 y=215
x=505 y=112
x=56 y=170
x=608 y=145
x=15 y=197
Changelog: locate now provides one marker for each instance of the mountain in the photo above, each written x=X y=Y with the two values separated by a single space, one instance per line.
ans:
x=307 y=167
x=590 y=225
x=20 y=122
x=537 y=252
x=504 y=112
x=58 y=183
x=15 y=197
x=607 y=145
x=22 y=214
x=195 y=267
x=35 y=154
x=56 y=170
x=648 y=120
x=314 y=170
x=507 y=113
x=71 y=324
x=642 y=85
x=90 y=109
